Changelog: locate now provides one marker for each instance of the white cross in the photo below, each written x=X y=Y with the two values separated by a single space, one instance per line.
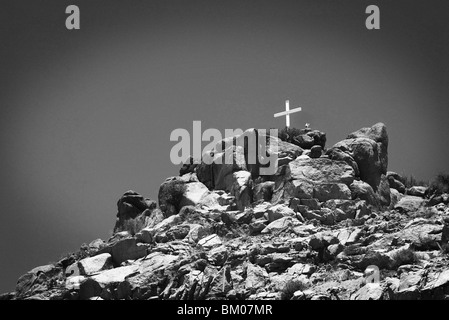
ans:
x=287 y=113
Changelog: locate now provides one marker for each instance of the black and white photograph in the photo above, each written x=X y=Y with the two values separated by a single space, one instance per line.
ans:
x=224 y=155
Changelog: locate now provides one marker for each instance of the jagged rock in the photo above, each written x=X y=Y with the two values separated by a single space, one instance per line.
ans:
x=422 y=234
x=371 y=291
x=257 y=226
x=437 y=199
x=409 y=204
x=322 y=240
x=99 y=284
x=279 y=211
x=241 y=189
x=417 y=191
x=188 y=167
x=312 y=204
x=210 y=242
x=324 y=192
x=92 y=265
x=378 y=133
x=217 y=199
x=335 y=249
x=394 y=181
x=383 y=191
x=369 y=148
x=147 y=235
x=279 y=225
x=218 y=256
x=74 y=282
x=256 y=277
x=363 y=191
x=263 y=191
x=170 y=195
x=395 y=197
x=193 y=194
x=73 y=270
x=350 y=208
x=302 y=178
x=231 y=155
x=132 y=206
x=339 y=155
x=36 y=280
x=126 y=249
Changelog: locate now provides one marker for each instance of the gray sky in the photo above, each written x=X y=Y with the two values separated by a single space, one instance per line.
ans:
x=87 y=115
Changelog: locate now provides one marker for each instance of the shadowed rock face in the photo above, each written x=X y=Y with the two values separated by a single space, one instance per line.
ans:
x=368 y=148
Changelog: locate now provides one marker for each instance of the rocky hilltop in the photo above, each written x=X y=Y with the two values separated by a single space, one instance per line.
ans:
x=331 y=223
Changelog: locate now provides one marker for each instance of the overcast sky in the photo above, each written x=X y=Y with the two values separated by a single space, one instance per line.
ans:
x=87 y=114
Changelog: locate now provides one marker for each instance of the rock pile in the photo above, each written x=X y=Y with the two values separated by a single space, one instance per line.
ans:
x=322 y=227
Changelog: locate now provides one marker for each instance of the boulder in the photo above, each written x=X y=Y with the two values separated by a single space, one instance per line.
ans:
x=409 y=204
x=371 y=291
x=396 y=184
x=279 y=211
x=95 y=264
x=210 y=242
x=383 y=191
x=263 y=191
x=366 y=154
x=218 y=256
x=98 y=284
x=126 y=249
x=171 y=192
x=302 y=178
x=363 y=191
x=316 y=151
x=377 y=133
x=241 y=189
x=148 y=234
x=279 y=225
x=369 y=149
x=131 y=206
x=256 y=277
x=36 y=280
x=193 y=194
x=339 y=155
x=417 y=191
x=231 y=154
x=327 y=191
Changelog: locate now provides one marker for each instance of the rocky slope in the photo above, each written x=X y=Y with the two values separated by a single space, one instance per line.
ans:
x=319 y=228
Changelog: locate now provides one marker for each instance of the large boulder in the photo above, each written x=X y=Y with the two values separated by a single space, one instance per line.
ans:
x=337 y=154
x=234 y=154
x=132 y=206
x=378 y=133
x=313 y=178
x=366 y=154
x=170 y=195
x=363 y=191
x=369 y=149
